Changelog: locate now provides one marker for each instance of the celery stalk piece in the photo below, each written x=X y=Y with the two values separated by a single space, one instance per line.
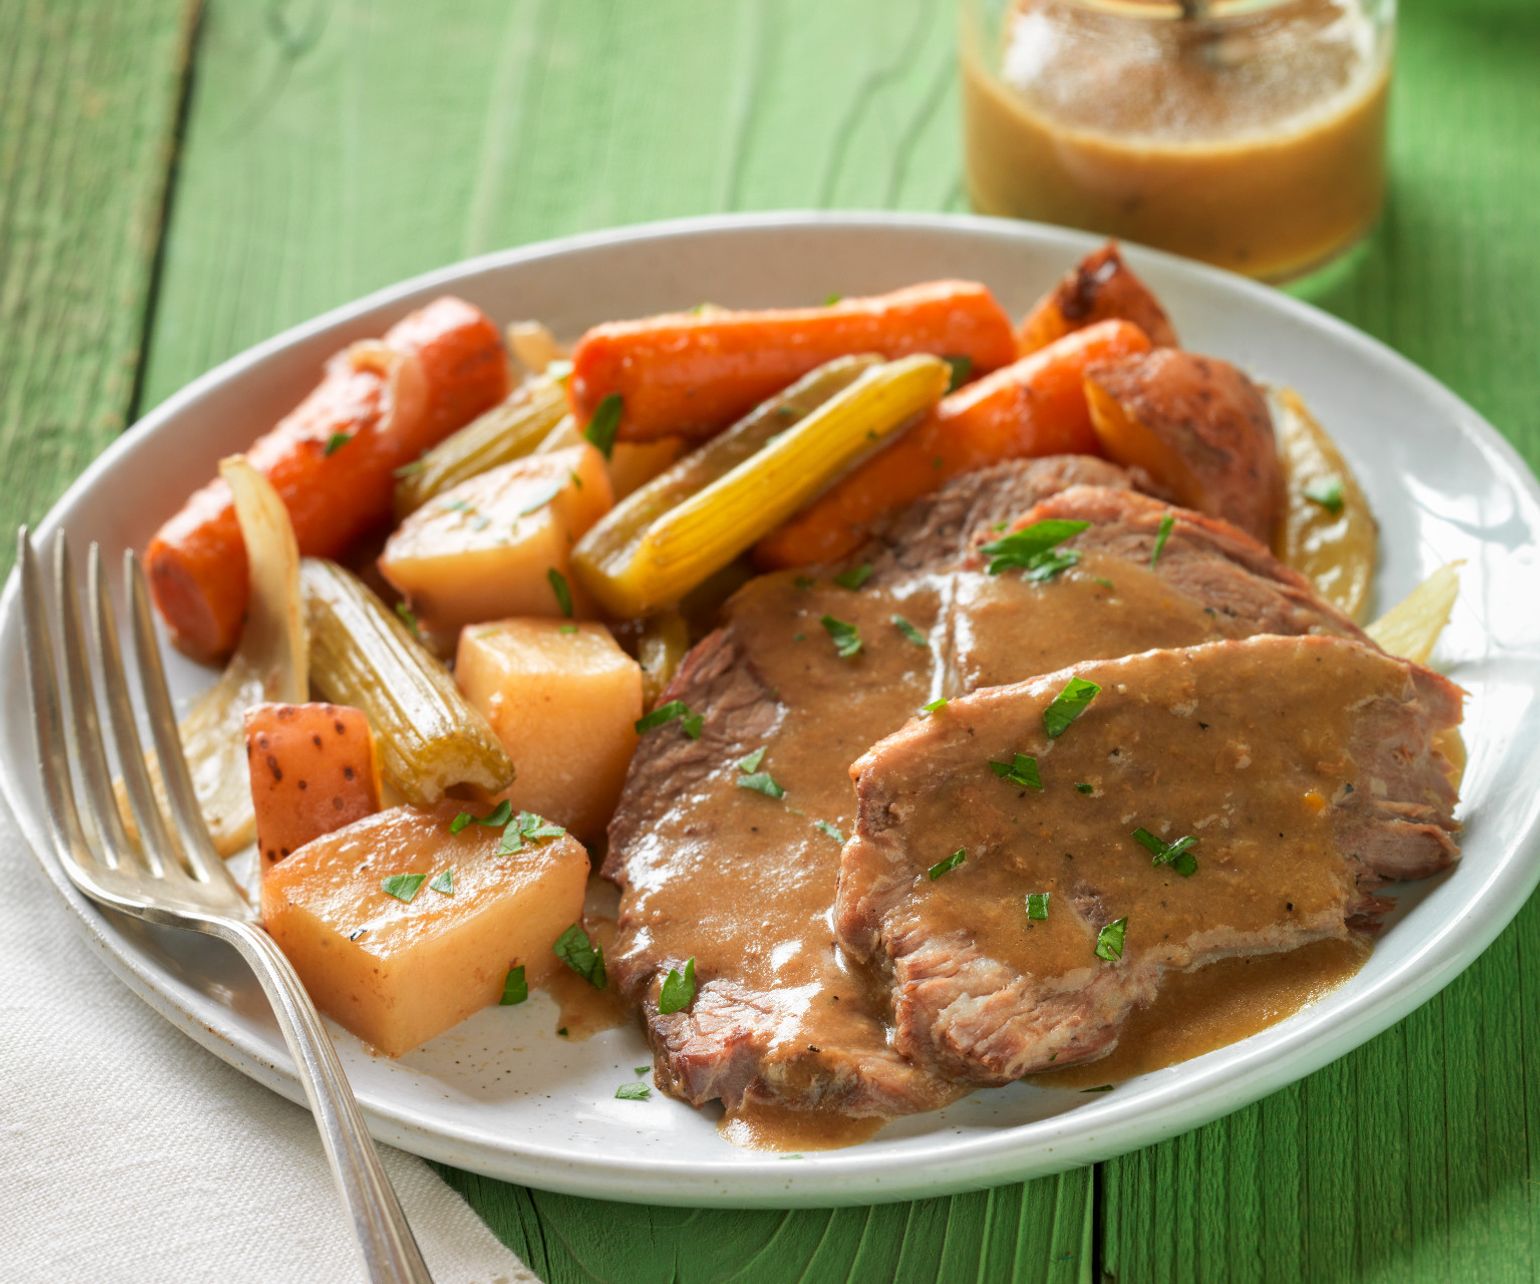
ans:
x=695 y=518
x=429 y=738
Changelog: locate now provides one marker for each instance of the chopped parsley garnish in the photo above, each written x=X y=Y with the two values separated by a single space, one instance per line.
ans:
x=527 y=826
x=515 y=987
x=577 y=482
x=1109 y=941
x=640 y=1070
x=831 y=299
x=962 y=367
x=833 y=831
x=909 y=631
x=580 y=954
x=1327 y=493
x=1177 y=854
x=761 y=782
x=1068 y=705
x=1034 y=549
x=847 y=638
x=567 y=629
x=407 y=617
x=1082 y=788
x=940 y=702
x=855 y=576
x=1162 y=534
x=403 y=886
x=336 y=442
x=1037 y=906
x=750 y=762
x=563 y=593
x=1020 y=770
x=494 y=819
x=444 y=882
x=665 y=713
x=605 y=424
x=803 y=581
x=633 y=1092
x=678 y=990
x=947 y=865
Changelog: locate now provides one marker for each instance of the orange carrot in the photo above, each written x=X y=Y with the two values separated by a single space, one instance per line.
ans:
x=332 y=461
x=1101 y=287
x=692 y=374
x=1035 y=407
x=313 y=770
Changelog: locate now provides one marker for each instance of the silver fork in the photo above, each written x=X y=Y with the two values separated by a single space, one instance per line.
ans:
x=172 y=874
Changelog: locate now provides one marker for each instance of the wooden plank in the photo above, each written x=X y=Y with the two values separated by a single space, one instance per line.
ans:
x=88 y=98
x=335 y=149
x=1415 y=1158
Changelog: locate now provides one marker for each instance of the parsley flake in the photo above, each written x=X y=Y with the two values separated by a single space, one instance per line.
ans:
x=403 y=886
x=831 y=299
x=750 y=762
x=336 y=442
x=1020 y=770
x=494 y=819
x=1082 y=788
x=846 y=637
x=563 y=593
x=855 y=576
x=833 y=831
x=1177 y=855
x=948 y=864
x=633 y=1092
x=1068 y=705
x=909 y=631
x=962 y=367
x=940 y=702
x=444 y=882
x=1037 y=906
x=407 y=617
x=1035 y=549
x=1162 y=534
x=580 y=954
x=1327 y=493
x=603 y=428
x=761 y=782
x=689 y=721
x=678 y=990
x=1109 y=941
x=515 y=987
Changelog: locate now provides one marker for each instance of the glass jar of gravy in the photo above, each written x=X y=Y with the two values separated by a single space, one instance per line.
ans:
x=1249 y=133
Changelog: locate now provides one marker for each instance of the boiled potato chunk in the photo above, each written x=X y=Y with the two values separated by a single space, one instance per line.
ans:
x=313 y=769
x=495 y=545
x=395 y=971
x=564 y=705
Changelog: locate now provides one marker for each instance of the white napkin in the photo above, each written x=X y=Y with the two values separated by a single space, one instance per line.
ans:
x=128 y=1153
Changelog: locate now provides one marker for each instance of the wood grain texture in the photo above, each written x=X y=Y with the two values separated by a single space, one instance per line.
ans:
x=88 y=97
x=332 y=148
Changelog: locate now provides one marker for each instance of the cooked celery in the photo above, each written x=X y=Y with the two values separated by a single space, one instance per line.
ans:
x=700 y=514
x=510 y=430
x=661 y=645
x=429 y=738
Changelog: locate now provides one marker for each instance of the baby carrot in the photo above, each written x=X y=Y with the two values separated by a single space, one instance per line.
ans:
x=1101 y=287
x=332 y=461
x=692 y=374
x=1035 y=407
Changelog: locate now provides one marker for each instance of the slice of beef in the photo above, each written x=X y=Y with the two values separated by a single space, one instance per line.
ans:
x=1306 y=768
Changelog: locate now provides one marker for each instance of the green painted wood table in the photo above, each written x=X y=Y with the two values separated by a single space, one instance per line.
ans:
x=177 y=182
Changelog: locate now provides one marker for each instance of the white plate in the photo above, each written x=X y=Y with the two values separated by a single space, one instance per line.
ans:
x=501 y=1094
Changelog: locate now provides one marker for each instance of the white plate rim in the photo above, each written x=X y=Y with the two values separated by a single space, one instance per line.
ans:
x=1097 y=1131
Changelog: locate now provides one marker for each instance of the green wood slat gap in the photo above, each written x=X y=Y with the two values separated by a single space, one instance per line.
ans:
x=88 y=101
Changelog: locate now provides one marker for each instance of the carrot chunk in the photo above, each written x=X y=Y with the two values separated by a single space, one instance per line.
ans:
x=332 y=462
x=1034 y=407
x=1101 y=287
x=692 y=374
x=313 y=771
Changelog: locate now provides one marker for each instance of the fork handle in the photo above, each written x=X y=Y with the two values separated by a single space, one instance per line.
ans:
x=390 y=1251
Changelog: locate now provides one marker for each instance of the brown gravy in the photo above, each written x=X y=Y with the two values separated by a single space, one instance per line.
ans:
x=585 y=1011
x=1214 y=1006
x=766 y=1127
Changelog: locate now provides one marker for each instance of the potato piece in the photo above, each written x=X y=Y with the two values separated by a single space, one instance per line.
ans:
x=1327 y=533
x=397 y=971
x=565 y=705
x=487 y=548
x=313 y=770
x=1198 y=426
x=1101 y=287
